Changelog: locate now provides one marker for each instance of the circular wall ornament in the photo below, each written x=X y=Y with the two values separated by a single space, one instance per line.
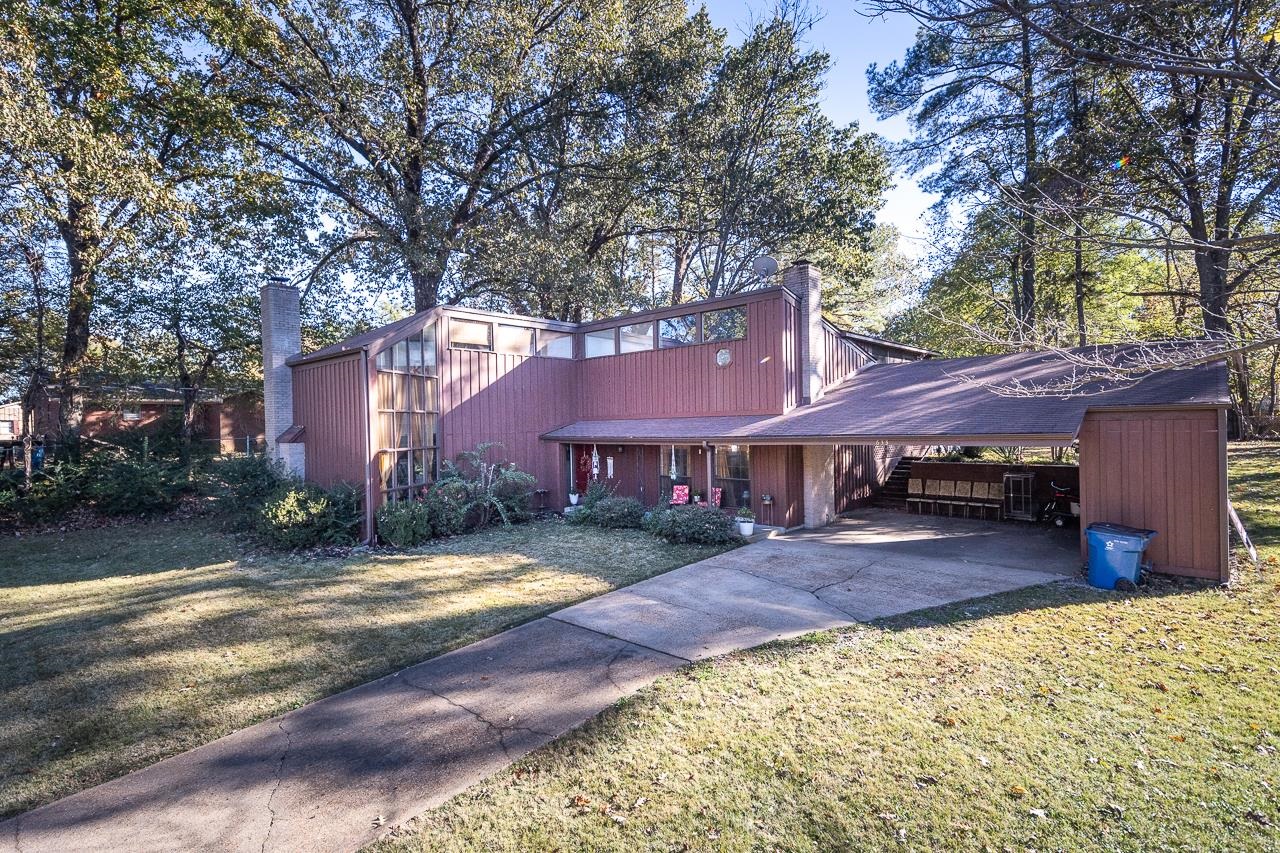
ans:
x=723 y=357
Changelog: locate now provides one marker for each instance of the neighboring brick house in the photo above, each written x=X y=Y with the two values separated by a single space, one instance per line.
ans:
x=755 y=395
x=226 y=422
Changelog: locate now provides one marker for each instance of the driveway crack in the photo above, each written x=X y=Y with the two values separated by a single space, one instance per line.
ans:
x=284 y=754
x=17 y=834
x=501 y=730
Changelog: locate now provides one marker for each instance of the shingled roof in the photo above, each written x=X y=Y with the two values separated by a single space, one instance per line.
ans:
x=1020 y=398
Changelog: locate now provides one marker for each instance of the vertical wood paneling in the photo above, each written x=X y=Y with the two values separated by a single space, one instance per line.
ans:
x=841 y=358
x=686 y=382
x=861 y=469
x=509 y=399
x=778 y=470
x=1160 y=470
x=328 y=400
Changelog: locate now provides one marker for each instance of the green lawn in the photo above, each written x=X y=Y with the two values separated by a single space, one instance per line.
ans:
x=1052 y=718
x=126 y=645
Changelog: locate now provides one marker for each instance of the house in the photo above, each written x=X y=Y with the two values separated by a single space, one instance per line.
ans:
x=225 y=421
x=755 y=394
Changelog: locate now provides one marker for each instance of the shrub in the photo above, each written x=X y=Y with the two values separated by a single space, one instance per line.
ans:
x=490 y=491
x=614 y=512
x=587 y=502
x=300 y=515
x=438 y=512
x=703 y=525
x=55 y=489
x=138 y=487
x=240 y=485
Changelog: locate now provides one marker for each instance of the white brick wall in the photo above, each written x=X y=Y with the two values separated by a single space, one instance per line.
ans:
x=803 y=279
x=819 y=485
x=281 y=338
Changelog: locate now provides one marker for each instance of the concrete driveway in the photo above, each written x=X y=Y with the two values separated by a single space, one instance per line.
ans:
x=337 y=773
x=877 y=563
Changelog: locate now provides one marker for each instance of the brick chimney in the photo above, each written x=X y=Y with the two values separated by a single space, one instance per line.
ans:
x=281 y=338
x=803 y=280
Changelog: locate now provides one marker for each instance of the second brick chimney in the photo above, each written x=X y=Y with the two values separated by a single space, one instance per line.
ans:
x=803 y=280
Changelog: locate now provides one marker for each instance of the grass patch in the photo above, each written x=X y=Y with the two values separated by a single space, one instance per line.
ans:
x=125 y=645
x=1058 y=717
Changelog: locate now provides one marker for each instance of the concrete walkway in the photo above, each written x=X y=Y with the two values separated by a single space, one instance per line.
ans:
x=339 y=772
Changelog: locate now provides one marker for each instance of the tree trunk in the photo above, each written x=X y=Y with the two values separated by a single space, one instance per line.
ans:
x=82 y=259
x=187 y=431
x=425 y=279
x=1215 y=289
x=1079 y=282
x=1027 y=217
x=680 y=268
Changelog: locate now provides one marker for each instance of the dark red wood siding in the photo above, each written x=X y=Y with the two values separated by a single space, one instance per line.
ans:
x=841 y=358
x=778 y=470
x=330 y=399
x=511 y=399
x=1164 y=471
x=861 y=469
x=686 y=382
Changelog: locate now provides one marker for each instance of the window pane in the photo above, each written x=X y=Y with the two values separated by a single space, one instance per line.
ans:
x=402 y=392
x=404 y=421
x=678 y=331
x=733 y=475
x=415 y=354
x=386 y=400
x=385 y=462
x=402 y=469
x=419 y=472
x=600 y=343
x=470 y=334
x=555 y=344
x=681 y=461
x=429 y=348
x=416 y=425
x=386 y=430
x=401 y=355
x=636 y=337
x=384 y=359
x=727 y=325
x=430 y=391
x=515 y=340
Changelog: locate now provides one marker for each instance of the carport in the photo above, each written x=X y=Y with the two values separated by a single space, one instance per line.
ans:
x=1152 y=440
x=1150 y=421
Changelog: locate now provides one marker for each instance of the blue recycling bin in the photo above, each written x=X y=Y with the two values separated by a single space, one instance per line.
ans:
x=37 y=457
x=1115 y=553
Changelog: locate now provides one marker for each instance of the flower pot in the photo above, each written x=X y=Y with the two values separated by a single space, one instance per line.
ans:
x=746 y=528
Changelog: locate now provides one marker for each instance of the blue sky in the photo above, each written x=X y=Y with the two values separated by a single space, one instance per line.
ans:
x=854 y=41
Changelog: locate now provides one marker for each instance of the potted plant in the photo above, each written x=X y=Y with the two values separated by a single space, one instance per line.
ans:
x=573 y=499
x=746 y=521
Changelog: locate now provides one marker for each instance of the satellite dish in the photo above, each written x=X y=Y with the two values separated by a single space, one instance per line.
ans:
x=764 y=266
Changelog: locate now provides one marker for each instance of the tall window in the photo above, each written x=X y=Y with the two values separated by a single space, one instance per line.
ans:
x=408 y=411
x=733 y=475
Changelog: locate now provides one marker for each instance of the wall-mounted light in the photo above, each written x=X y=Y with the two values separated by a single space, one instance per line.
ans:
x=733 y=448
